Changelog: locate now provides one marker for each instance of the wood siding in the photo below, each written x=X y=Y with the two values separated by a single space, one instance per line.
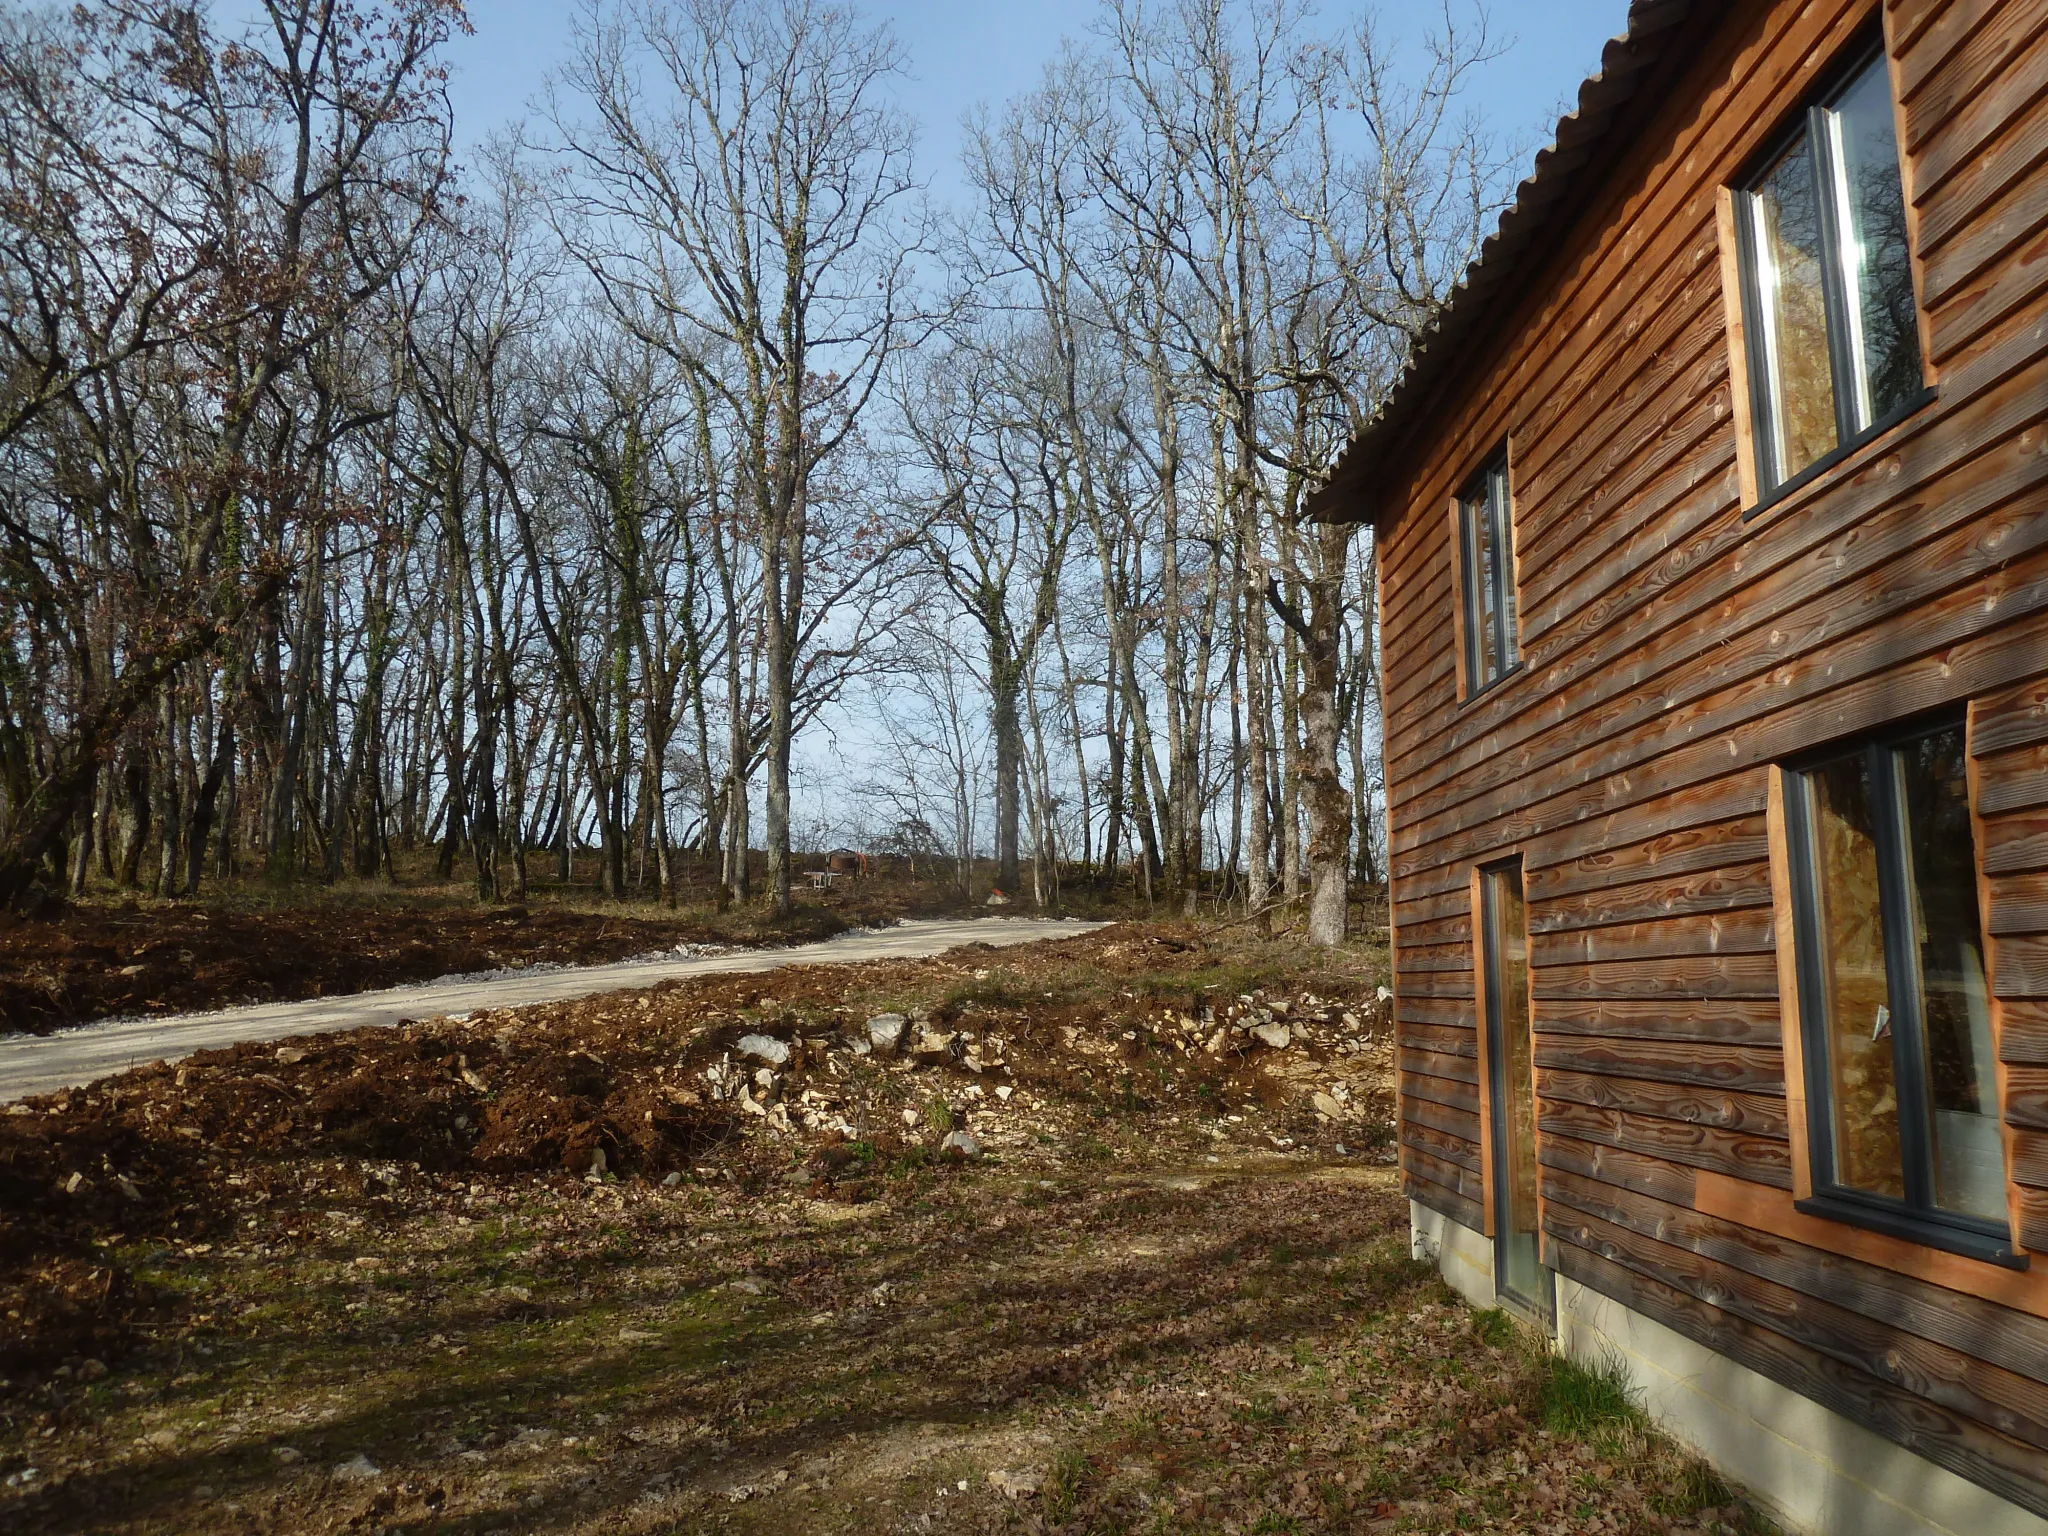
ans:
x=1673 y=651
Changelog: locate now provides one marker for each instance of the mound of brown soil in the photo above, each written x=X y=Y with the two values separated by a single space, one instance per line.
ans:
x=103 y=962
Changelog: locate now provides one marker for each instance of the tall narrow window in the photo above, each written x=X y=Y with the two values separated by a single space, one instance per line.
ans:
x=1519 y=1274
x=1896 y=1014
x=1486 y=531
x=1828 y=282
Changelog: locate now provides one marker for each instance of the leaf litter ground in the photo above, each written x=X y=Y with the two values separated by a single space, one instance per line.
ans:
x=582 y=1268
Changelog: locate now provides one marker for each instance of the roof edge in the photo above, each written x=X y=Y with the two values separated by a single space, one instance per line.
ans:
x=1553 y=192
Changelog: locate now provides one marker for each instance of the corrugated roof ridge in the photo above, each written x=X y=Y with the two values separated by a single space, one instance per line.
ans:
x=1622 y=60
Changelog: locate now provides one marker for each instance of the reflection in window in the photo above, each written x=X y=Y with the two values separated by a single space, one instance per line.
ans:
x=1487 y=536
x=1961 y=1067
x=1858 y=991
x=1828 y=282
x=1884 y=325
x=1901 y=1074
x=1795 y=311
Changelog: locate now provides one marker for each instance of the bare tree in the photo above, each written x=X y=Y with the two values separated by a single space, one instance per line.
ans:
x=745 y=181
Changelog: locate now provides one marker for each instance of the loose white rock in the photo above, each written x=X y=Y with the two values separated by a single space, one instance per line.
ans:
x=1016 y=1485
x=357 y=1469
x=962 y=1142
x=1278 y=1036
x=768 y=1049
x=885 y=1031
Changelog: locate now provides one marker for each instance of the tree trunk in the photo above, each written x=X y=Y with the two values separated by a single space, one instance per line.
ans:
x=1322 y=785
x=1009 y=744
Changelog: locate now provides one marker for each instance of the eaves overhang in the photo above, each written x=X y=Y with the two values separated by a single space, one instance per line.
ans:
x=1565 y=178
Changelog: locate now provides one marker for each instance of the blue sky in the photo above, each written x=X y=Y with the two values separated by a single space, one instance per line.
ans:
x=962 y=54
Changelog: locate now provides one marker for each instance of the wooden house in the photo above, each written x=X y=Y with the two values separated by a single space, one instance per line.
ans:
x=1712 y=531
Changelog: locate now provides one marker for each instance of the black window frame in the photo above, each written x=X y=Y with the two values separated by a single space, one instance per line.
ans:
x=1500 y=513
x=1808 y=123
x=1917 y=1218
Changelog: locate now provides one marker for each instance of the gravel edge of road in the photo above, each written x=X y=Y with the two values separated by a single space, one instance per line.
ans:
x=89 y=1052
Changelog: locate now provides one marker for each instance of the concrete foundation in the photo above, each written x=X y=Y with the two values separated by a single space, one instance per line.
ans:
x=1816 y=1472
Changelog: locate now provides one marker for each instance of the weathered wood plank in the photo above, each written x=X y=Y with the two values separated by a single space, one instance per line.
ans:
x=1444 y=1040
x=1684 y=1063
x=1761 y=1159
x=1456 y=1069
x=1448 y=1091
x=1455 y=1150
x=1747 y=975
x=1750 y=1114
x=1950 y=1440
x=1707 y=1020
x=1452 y=1176
x=1462 y=1123
x=1617 y=1166
x=2026 y=1097
x=1986 y=1394
x=2025 y=1038
x=1446 y=1202
x=1984 y=1330
x=1725 y=888
x=1745 y=931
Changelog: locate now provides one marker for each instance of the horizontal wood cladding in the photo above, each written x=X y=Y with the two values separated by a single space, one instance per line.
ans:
x=1674 y=648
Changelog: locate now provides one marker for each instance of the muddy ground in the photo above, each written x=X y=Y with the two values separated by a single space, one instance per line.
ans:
x=1107 y=1238
x=105 y=960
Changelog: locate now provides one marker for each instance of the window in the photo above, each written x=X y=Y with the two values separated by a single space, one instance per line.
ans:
x=1894 y=1007
x=1832 y=323
x=1486 y=534
x=1520 y=1278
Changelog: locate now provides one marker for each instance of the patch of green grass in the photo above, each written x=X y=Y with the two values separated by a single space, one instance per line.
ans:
x=1698 y=1487
x=1494 y=1327
x=1586 y=1399
x=1063 y=1486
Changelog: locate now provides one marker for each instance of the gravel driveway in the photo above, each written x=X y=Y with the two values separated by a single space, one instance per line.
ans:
x=37 y=1064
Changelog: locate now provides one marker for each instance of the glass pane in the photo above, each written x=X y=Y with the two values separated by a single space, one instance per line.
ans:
x=1858 y=995
x=1969 y=1156
x=1515 y=1162
x=1504 y=551
x=1875 y=254
x=1479 y=607
x=1790 y=283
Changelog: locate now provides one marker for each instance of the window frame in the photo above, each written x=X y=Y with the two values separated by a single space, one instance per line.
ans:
x=1917 y=1218
x=1506 y=606
x=1490 y=931
x=1759 y=344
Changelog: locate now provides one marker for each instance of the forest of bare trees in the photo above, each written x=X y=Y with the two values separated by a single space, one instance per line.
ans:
x=564 y=503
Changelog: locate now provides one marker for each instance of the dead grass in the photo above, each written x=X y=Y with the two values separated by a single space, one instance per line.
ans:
x=1136 y=1308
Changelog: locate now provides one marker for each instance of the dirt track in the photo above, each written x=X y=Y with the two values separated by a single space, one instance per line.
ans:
x=31 y=1065
x=161 y=959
